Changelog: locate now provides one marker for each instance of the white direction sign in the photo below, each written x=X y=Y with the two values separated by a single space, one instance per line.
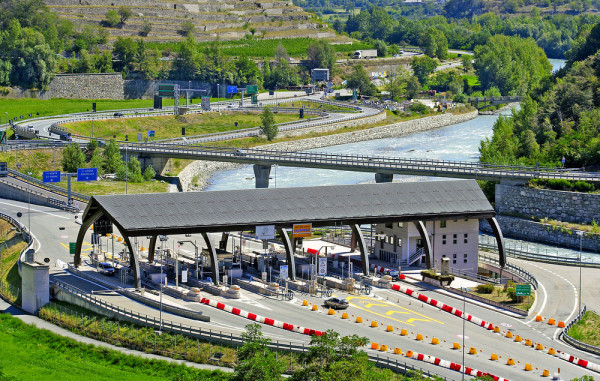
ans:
x=322 y=266
x=265 y=232
x=283 y=272
x=184 y=276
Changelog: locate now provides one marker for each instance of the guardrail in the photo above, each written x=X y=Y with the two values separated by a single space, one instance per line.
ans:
x=52 y=188
x=486 y=301
x=513 y=269
x=211 y=335
x=26 y=236
x=52 y=201
x=520 y=254
x=574 y=342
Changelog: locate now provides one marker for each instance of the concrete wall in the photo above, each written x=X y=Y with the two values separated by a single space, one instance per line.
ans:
x=13 y=193
x=519 y=228
x=87 y=86
x=543 y=203
x=35 y=283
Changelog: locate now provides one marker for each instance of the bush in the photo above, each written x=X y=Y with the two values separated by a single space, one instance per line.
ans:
x=487 y=288
x=512 y=293
x=187 y=28
x=112 y=18
x=582 y=186
x=420 y=108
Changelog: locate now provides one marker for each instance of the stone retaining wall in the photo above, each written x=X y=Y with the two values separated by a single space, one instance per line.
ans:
x=543 y=203
x=205 y=169
x=528 y=230
x=87 y=86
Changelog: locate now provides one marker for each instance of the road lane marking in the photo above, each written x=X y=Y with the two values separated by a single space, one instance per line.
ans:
x=34 y=210
x=362 y=299
x=396 y=312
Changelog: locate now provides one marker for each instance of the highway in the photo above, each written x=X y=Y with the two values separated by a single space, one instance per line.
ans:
x=387 y=307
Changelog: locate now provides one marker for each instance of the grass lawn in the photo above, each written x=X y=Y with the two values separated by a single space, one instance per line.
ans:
x=10 y=108
x=170 y=127
x=115 y=187
x=471 y=79
x=524 y=304
x=10 y=280
x=29 y=353
x=587 y=330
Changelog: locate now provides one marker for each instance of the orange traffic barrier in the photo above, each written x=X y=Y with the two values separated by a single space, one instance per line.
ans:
x=345 y=315
x=509 y=334
x=315 y=307
x=397 y=351
x=497 y=329
x=561 y=324
x=419 y=336
x=551 y=351
x=518 y=339
x=539 y=347
x=305 y=303
x=528 y=343
x=472 y=351
x=389 y=328
x=384 y=348
x=510 y=361
x=359 y=319
x=528 y=367
x=435 y=340
x=374 y=324
x=331 y=312
x=546 y=373
x=551 y=322
x=409 y=353
x=374 y=346
x=494 y=357
x=538 y=318
x=456 y=346
x=403 y=332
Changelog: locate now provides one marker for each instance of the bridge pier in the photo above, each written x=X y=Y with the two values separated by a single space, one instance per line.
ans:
x=261 y=175
x=158 y=163
x=384 y=177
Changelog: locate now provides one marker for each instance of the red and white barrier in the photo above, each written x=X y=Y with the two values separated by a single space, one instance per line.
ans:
x=453 y=366
x=577 y=361
x=442 y=306
x=260 y=319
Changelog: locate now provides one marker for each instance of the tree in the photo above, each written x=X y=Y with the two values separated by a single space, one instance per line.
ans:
x=146 y=28
x=321 y=55
x=255 y=360
x=423 y=67
x=73 y=158
x=149 y=173
x=268 y=126
x=125 y=51
x=396 y=84
x=124 y=13
x=112 y=157
x=413 y=87
x=435 y=44
x=112 y=18
x=359 y=80
x=187 y=28
x=381 y=46
x=467 y=62
x=90 y=149
x=463 y=8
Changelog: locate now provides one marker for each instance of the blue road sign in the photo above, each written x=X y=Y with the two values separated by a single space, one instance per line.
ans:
x=87 y=174
x=150 y=133
x=51 y=176
x=232 y=89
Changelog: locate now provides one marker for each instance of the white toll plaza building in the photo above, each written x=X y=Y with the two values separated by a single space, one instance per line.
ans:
x=400 y=243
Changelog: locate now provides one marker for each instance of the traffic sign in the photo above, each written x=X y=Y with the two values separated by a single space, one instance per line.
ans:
x=72 y=248
x=523 y=290
x=51 y=176
x=254 y=99
x=283 y=272
x=150 y=133
x=265 y=232
x=251 y=89
x=323 y=266
x=166 y=90
x=232 y=89
x=87 y=174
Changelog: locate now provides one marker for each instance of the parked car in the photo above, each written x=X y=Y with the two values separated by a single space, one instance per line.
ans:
x=393 y=273
x=118 y=114
x=337 y=303
x=106 y=268
x=231 y=105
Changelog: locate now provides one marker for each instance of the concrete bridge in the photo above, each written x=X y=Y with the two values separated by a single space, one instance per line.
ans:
x=383 y=167
x=482 y=102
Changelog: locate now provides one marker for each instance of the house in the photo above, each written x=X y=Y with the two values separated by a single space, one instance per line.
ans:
x=400 y=243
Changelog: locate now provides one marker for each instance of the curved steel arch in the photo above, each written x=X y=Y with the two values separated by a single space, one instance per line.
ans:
x=426 y=242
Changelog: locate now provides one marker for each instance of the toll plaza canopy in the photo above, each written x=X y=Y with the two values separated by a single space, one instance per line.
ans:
x=235 y=210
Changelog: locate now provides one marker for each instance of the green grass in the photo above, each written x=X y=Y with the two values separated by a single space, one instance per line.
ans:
x=10 y=280
x=170 y=126
x=587 y=330
x=29 y=353
x=472 y=79
x=296 y=47
x=103 y=187
x=524 y=304
x=10 y=108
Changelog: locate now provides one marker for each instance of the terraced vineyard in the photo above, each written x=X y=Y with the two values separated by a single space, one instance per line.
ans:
x=211 y=19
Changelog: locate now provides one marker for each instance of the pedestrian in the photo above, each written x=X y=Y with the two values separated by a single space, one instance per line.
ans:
x=563 y=161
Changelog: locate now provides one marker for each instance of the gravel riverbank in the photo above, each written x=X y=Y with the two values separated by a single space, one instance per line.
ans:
x=196 y=176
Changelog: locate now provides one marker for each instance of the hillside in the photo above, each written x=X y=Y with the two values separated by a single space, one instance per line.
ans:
x=214 y=19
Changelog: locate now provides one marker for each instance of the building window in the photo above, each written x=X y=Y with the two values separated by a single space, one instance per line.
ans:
x=443 y=242
x=466 y=255
x=454 y=240
x=389 y=226
x=444 y=239
x=466 y=240
x=454 y=261
x=465 y=260
x=454 y=236
x=454 y=256
x=443 y=224
x=466 y=235
x=400 y=224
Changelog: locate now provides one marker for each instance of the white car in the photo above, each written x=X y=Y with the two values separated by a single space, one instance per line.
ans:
x=231 y=105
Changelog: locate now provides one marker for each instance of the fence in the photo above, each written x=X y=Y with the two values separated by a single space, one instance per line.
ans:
x=513 y=269
x=210 y=335
x=486 y=301
x=574 y=342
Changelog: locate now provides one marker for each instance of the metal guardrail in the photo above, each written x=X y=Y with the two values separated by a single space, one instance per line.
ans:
x=574 y=342
x=52 y=188
x=513 y=269
x=486 y=301
x=216 y=335
x=55 y=202
x=26 y=235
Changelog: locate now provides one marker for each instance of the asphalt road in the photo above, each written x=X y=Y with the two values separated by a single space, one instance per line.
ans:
x=387 y=307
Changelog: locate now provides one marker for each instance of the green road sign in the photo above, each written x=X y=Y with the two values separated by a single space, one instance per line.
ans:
x=251 y=89
x=523 y=289
x=72 y=247
x=166 y=90
x=3 y=135
x=254 y=99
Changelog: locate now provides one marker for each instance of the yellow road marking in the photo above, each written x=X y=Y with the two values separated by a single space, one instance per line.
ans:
x=415 y=319
x=374 y=304
x=397 y=312
x=362 y=299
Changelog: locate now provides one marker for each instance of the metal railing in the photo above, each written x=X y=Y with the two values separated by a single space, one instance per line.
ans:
x=574 y=342
x=27 y=237
x=216 y=335
x=49 y=187
x=473 y=276
x=513 y=269
x=486 y=301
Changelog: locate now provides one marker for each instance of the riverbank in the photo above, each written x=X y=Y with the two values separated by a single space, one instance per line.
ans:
x=196 y=176
x=501 y=109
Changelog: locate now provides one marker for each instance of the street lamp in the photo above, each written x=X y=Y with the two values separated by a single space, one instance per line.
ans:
x=580 y=234
x=163 y=239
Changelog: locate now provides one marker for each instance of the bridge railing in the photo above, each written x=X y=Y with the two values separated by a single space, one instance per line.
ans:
x=47 y=186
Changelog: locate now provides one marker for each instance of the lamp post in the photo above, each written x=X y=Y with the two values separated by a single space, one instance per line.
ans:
x=163 y=239
x=580 y=234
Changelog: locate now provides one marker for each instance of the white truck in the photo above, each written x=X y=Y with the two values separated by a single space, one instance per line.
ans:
x=369 y=53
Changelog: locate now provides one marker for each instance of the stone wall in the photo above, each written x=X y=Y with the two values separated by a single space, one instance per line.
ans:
x=528 y=230
x=543 y=203
x=87 y=86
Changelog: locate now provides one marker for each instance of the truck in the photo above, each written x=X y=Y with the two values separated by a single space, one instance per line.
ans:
x=369 y=53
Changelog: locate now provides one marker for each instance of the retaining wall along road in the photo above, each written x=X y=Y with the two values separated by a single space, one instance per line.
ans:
x=544 y=203
x=87 y=86
x=201 y=171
